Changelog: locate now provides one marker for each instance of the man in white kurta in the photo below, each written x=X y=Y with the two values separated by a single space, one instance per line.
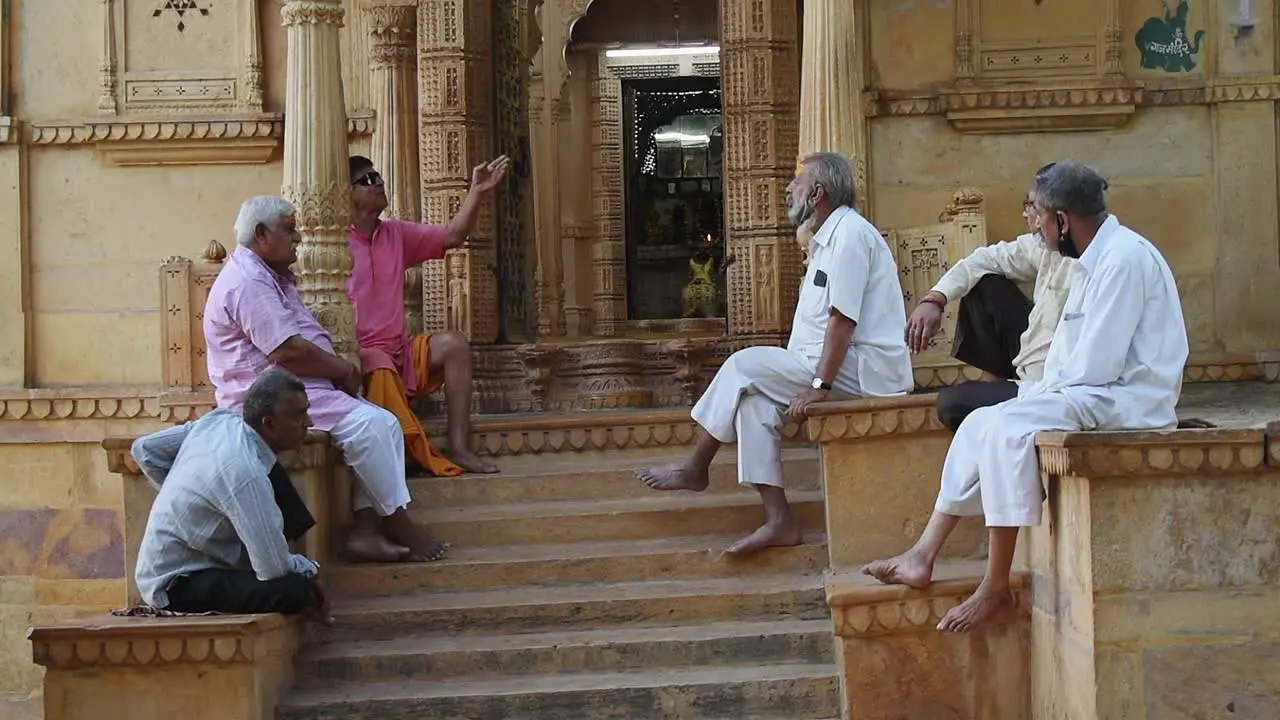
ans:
x=1115 y=363
x=998 y=329
x=847 y=338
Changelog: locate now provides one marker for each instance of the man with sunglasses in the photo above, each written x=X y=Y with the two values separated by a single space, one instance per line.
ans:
x=998 y=329
x=1115 y=363
x=397 y=368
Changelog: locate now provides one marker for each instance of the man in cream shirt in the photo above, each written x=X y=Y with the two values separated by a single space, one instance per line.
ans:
x=846 y=340
x=998 y=329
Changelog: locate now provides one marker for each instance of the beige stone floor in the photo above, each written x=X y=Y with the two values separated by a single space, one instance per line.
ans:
x=1231 y=405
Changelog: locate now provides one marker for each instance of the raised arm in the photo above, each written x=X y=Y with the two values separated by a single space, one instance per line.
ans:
x=484 y=178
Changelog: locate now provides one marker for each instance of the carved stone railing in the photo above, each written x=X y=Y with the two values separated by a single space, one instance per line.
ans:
x=184 y=289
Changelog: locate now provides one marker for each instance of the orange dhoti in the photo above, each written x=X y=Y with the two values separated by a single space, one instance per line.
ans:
x=385 y=387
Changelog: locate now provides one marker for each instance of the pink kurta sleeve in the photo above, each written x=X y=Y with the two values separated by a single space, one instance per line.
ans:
x=422 y=242
x=260 y=311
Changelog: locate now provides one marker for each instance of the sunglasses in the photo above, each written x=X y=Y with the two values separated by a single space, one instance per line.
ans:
x=369 y=179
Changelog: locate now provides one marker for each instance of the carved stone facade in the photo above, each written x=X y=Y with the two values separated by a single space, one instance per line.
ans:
x=393 y=53
x=455 y=86
x=760 y=86
x=518 y=298
x=608 y=253
x=315 y=164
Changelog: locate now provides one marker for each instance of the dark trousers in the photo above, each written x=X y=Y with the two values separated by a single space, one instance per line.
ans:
x=297 y=518
x=240 y=592
x=989 y=327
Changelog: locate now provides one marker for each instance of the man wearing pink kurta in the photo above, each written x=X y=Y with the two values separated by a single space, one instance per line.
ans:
x=397 y=368
x=255 y=320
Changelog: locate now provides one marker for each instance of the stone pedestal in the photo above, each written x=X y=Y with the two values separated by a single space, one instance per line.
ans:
x=881 y=463
x=230 y=667
x=895 y=664
x=315 y=163
x=1156 y=576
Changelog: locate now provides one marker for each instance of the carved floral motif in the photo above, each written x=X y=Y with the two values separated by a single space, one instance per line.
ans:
x=540 y=363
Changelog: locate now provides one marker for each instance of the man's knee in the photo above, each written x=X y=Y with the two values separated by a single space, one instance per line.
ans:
x=449 y=344
x=951 y=408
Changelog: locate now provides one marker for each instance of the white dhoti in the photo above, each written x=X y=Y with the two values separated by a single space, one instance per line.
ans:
x=992 y=468
x=373 y=444
x=746 y=401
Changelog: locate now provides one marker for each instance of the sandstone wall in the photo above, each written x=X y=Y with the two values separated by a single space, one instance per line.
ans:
x=1191 y=153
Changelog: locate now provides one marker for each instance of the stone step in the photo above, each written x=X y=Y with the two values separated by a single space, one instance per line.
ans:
x=480 y=568
x=574 y=432
x=791 y=690
x=593 y=476
x=566 y=607
x=577 y=651
x=661 y=514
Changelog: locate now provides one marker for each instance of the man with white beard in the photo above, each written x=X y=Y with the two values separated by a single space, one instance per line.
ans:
x=847 y=340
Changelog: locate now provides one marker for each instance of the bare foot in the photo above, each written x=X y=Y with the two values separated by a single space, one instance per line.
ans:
x=472 y=463
x=364 y=545
x=986 y=606
x=674 y=477
x=906 y=569
x=767 y=536
x=422 y=546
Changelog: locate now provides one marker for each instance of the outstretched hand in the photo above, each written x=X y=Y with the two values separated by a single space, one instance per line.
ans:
x=486 y=176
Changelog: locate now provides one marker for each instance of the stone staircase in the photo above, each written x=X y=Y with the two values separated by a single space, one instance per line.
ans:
x=573 y=591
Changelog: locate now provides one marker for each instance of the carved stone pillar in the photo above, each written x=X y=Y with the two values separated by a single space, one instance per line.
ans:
x=609 y=254
x=315 y=163
x=455 y=81
x=760 y=90
x=832 y=117
x=549 y=76
x=107 y=64
x=393 y=49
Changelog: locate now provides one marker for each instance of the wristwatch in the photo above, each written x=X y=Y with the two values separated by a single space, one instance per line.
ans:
x=819 y=385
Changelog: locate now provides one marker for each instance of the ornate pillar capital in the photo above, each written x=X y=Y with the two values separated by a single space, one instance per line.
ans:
x=312 y=12
x=393 y=26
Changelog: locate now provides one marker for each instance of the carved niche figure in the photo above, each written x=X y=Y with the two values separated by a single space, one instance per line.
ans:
x=766 y=298
x=700 y=293
x=459 y=310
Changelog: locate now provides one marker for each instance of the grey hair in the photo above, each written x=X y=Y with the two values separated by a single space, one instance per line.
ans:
x=264 y=395
x=834 y=172
x=266 y=210
x=1073 y=188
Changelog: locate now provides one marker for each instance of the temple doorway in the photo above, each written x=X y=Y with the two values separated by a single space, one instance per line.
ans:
x=673 y=166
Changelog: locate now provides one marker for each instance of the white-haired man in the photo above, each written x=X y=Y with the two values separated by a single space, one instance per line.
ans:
x=1115 y=363
x=847 y=338
x=254 y=320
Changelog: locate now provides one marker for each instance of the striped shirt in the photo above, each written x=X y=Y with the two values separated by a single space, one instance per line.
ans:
x=216 y=508
x=251 y=311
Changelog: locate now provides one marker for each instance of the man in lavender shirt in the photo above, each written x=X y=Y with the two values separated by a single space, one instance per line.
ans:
x=254 y=320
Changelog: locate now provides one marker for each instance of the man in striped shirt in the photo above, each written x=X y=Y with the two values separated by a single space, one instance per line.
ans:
x=215 y=538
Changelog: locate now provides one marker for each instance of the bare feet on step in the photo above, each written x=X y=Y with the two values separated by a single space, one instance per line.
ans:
x=906 y=569
x=986 y=606
x=422 y=546
x=369 y=546
x=472 y=463
x=767 y=536
x=674 y=477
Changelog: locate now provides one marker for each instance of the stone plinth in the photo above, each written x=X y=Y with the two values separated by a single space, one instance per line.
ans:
x=231 y=667
x=1156 y=575
x=895 y=664
x=881 y=463
x=317 y=471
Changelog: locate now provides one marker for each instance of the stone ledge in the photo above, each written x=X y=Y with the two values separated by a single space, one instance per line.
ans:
x=1169 y=453
x=862 y=607
x=8 y=130
x=226 y=639
x=877 y=417
x=317 y=452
